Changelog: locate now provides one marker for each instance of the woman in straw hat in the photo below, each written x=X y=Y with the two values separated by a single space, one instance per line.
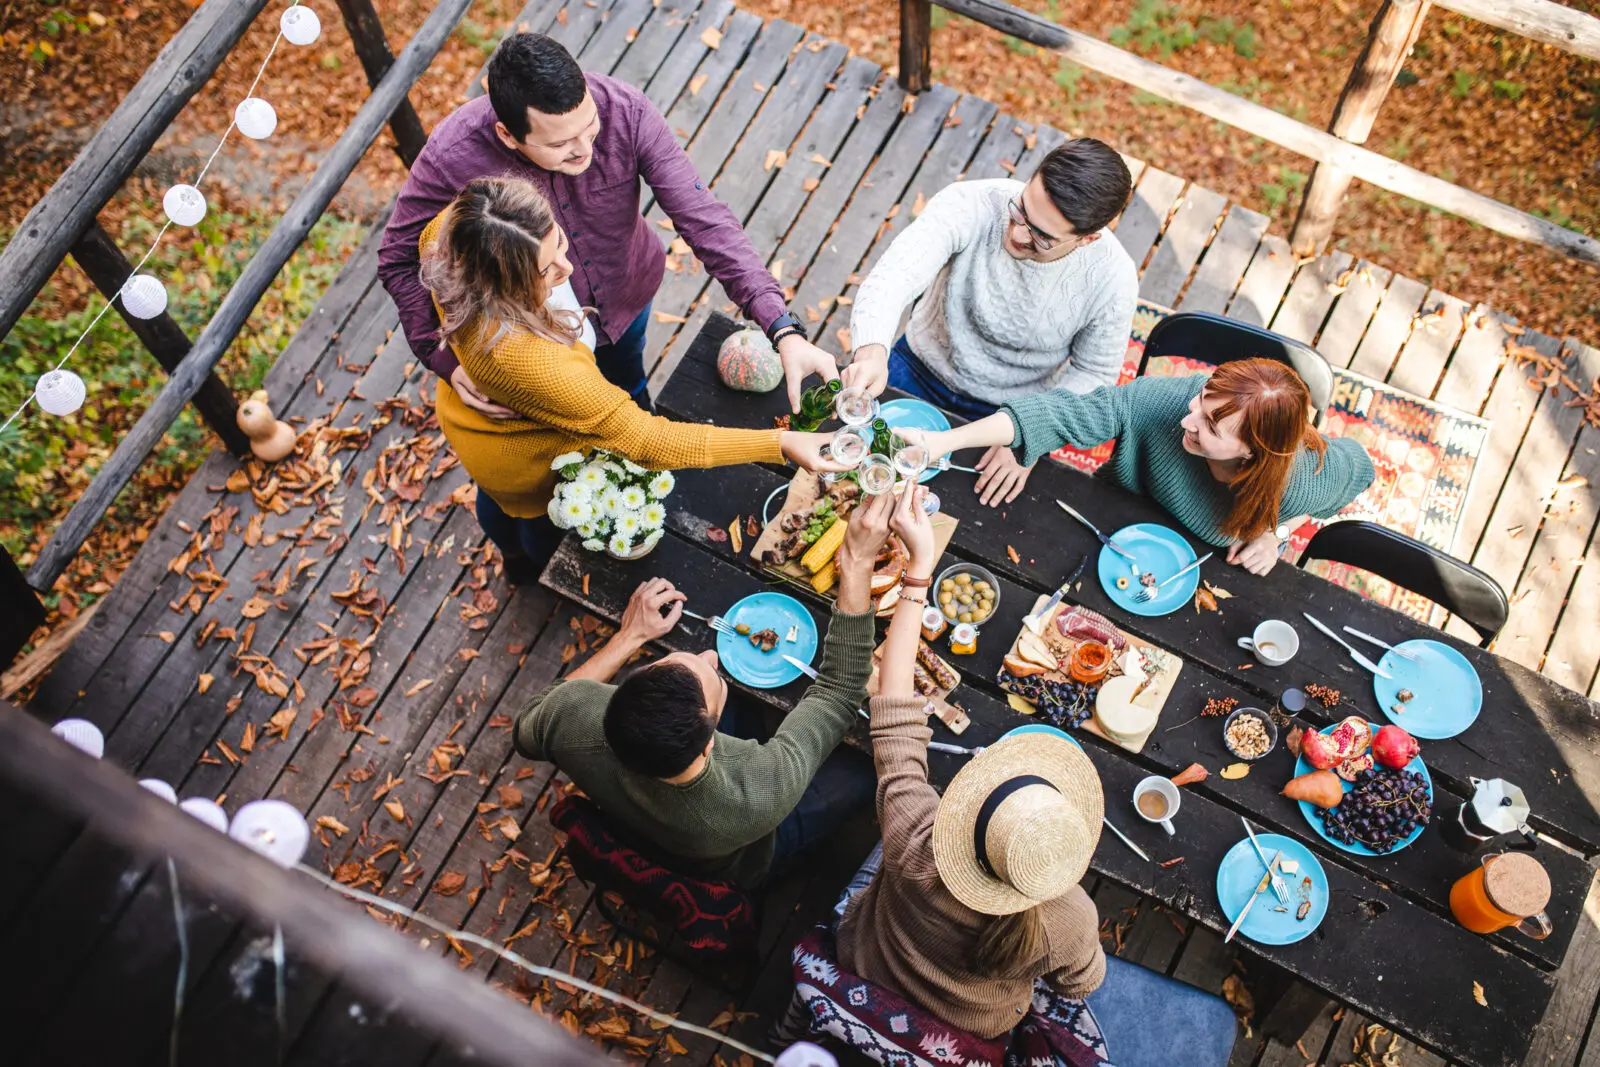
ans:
x=978 y=893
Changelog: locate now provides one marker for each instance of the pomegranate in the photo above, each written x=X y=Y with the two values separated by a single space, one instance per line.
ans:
x=1394 y=748
x=1351 y=737
x=1351 y=768
x=1318 y=750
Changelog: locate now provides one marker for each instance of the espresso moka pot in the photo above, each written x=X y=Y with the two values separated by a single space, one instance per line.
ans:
x=1497 y=807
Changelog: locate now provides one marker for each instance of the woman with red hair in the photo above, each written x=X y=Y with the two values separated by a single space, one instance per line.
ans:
x=1232 y=455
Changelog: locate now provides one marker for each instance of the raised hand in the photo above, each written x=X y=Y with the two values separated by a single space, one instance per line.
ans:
x=801 y=359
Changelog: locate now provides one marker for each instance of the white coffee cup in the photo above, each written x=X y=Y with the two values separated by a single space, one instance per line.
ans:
x=1164 y=798
x=1274 y=643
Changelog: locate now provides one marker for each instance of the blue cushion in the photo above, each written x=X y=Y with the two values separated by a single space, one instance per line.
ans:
x=1196 y=1029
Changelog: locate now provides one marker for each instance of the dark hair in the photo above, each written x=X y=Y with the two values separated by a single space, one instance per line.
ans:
x=656 y=722
x=532 y=70
x=1087 y=182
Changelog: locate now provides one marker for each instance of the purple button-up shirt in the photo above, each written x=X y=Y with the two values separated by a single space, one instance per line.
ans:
x=617 y=259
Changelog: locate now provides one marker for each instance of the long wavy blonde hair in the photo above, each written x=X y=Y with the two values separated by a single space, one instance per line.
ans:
x=483 y=269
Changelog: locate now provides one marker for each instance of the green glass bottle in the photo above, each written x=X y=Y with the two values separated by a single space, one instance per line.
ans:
x=816 y=406
x=880 y=436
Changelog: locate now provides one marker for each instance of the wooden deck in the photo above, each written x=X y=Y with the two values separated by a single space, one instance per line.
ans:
x=336 y=634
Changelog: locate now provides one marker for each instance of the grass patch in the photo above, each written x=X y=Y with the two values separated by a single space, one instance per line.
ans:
x=1510 y=90
x=1461 y=83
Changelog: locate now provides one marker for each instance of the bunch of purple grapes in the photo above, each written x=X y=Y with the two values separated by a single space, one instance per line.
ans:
x=1068 y=704
x=1381 y=811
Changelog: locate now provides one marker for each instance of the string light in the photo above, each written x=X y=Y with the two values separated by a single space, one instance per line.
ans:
x=143 y=296
x=82 y=735
x=207 y=811
x=274 y=828
x=300 y=25
x=160 y=789
x=185 y=204
x=255 y=118
x=60 y=392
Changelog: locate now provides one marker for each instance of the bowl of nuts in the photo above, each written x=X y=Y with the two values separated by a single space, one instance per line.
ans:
x=968 y=593
x=1249 y=734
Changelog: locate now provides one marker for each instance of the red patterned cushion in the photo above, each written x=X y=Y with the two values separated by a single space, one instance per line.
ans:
x=715 y=920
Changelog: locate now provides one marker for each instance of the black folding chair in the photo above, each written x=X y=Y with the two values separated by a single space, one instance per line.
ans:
x=1463 y=590
x=1216 y=339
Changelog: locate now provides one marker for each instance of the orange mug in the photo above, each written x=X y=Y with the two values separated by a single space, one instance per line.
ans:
x=1507 y=889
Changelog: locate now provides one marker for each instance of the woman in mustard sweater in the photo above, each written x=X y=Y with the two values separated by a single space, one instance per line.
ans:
x=496 y=263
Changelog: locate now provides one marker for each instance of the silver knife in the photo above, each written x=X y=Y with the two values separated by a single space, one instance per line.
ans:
x=1185 y=570
x=1035 y=621
x=1260 y=887
x=811 y=672
x=1402 y=653
x=1348 y=647
x=954 y=750
x=1104 y=540
x=1279 y=890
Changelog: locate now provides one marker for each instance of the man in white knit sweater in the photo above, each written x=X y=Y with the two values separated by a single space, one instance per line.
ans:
x=1018 y=288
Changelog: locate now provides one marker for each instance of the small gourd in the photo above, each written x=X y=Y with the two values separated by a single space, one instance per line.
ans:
x=748 y=361
x=270 y=438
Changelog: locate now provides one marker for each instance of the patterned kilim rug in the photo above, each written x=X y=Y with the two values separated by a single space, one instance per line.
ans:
x=1424 y=454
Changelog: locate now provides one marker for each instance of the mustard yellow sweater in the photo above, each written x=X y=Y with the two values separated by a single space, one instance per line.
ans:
x=568 y=407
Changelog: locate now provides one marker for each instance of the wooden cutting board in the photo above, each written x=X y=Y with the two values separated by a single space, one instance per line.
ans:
x=1153 y=696
x=952 y=715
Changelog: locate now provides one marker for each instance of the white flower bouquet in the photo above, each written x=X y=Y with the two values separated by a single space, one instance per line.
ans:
x=614 y=504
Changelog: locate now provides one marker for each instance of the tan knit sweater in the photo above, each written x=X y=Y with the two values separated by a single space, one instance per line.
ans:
x=907 y=933
x=568 y=406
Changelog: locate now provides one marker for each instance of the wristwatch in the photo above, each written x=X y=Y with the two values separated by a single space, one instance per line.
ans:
x=782 y=326
x=1282 y=532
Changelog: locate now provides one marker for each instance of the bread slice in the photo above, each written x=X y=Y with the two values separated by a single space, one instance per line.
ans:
x=1021 y=668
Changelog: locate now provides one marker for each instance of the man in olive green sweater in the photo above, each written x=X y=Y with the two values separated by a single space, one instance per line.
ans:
x=650 y=753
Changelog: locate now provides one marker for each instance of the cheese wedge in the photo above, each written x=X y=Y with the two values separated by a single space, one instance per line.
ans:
x=1119 y=716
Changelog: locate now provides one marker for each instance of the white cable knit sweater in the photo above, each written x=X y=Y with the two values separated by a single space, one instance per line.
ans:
x=990 y=326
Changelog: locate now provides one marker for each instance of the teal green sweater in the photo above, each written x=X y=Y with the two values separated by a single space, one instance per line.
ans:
x=1142 y=417
x=721 y=824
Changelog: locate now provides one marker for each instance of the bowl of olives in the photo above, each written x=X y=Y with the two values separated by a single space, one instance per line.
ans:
x=967 y=592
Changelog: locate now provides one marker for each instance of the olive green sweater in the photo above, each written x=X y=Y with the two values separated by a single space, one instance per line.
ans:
x=1142 y=417
x=721 y=824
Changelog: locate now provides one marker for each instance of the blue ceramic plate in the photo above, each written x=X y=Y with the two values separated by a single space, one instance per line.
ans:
x=762 y=611
x=1447 y=694
x=918 y=415
x=1241 y=872
x=1158 y=549
x=1314 y=817
x=1040 y=728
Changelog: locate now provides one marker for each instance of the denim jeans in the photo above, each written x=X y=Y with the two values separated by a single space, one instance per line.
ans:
x=622 y=361
x=909 y=374
x=844 y=785
x=531 y=540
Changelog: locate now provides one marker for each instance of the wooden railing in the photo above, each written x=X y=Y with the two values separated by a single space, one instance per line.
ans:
x=51 y=790
x=1338 y=154
x=63 y=222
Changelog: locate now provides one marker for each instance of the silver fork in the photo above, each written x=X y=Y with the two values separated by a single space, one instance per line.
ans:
x=1148 y=593
x=715 y=622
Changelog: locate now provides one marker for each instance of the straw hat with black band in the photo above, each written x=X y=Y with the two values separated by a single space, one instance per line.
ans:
x=1017 y=826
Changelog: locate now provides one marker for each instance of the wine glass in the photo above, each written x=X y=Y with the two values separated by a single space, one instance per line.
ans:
x=848 y=446
x=876 y=474
x=910 y=457
x=855 y=406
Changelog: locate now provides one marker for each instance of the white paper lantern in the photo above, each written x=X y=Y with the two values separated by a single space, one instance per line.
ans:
x=144 y=296
x=805 y=1054
x=60 y=392
x=185 y=205
x=300 y=25
x=273 y=828
x=207 y=811
x=160 y=789
x=82 y=735
x=255 y=118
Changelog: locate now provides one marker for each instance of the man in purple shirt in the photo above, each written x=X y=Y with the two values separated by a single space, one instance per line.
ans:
x=584 y=141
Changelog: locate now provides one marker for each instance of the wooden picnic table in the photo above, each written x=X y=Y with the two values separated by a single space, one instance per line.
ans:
x=1388 y=945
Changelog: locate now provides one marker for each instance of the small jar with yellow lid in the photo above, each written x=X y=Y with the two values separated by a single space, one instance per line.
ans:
x=964 y=639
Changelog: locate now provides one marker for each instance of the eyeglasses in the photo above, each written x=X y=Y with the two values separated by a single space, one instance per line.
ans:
x=1036 y=237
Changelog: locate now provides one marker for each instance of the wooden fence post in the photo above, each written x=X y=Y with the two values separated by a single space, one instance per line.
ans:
x=372 y=48
x=108 y=268
x=916 y=35
x=1394 y=30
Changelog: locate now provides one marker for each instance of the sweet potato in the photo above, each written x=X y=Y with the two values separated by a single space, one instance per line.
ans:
x=1321 y=788
x=1190 y=775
